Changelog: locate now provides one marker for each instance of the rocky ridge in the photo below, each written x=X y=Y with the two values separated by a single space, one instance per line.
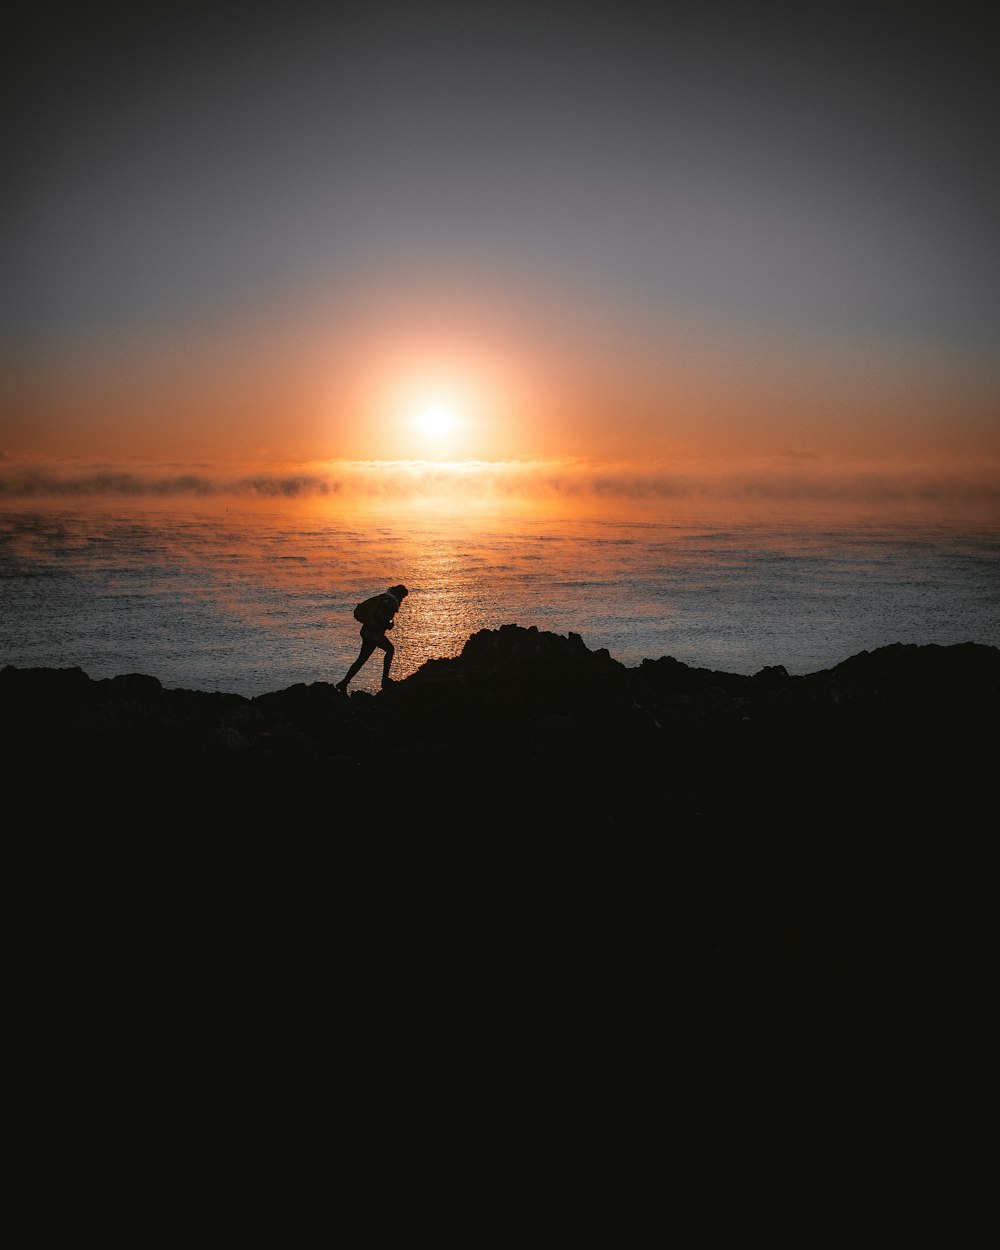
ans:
x=519 y=692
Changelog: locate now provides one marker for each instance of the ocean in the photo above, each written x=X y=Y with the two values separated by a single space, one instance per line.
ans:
x=258 y=599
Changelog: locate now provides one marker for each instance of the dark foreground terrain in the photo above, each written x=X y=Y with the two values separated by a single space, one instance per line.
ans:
x=525 y=907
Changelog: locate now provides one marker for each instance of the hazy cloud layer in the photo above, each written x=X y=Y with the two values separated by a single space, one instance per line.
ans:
x=794 y=480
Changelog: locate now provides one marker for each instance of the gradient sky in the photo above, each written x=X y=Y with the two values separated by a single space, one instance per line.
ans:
x=617 y=233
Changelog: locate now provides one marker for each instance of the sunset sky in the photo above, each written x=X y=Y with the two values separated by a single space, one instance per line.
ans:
x=671 y=238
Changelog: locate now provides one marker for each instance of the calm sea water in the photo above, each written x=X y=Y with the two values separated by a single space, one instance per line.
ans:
x=250 y=602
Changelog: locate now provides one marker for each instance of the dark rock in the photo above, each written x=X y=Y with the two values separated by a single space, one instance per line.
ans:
x=524 y=887
x=773 y=675
x=137 y=687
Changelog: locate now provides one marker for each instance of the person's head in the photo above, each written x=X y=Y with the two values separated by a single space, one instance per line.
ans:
x=400 y=592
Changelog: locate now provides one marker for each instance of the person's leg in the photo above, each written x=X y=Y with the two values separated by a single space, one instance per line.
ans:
x=390 y=651
x=367 y=647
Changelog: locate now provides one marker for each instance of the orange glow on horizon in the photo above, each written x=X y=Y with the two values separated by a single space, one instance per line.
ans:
x=472 y=492
x=521 y=379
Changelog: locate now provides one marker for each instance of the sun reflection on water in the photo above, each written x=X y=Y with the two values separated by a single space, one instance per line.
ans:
x=253 y=601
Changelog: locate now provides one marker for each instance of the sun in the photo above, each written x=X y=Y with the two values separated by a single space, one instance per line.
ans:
x=436 y=420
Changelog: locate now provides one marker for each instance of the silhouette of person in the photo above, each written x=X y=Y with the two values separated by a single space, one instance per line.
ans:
x=373 y=635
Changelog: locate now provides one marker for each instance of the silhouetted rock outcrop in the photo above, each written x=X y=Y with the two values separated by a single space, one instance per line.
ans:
x=512 y=687
x=526 y=894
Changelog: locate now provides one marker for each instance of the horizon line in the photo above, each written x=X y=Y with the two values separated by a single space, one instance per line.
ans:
x=789 y=476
